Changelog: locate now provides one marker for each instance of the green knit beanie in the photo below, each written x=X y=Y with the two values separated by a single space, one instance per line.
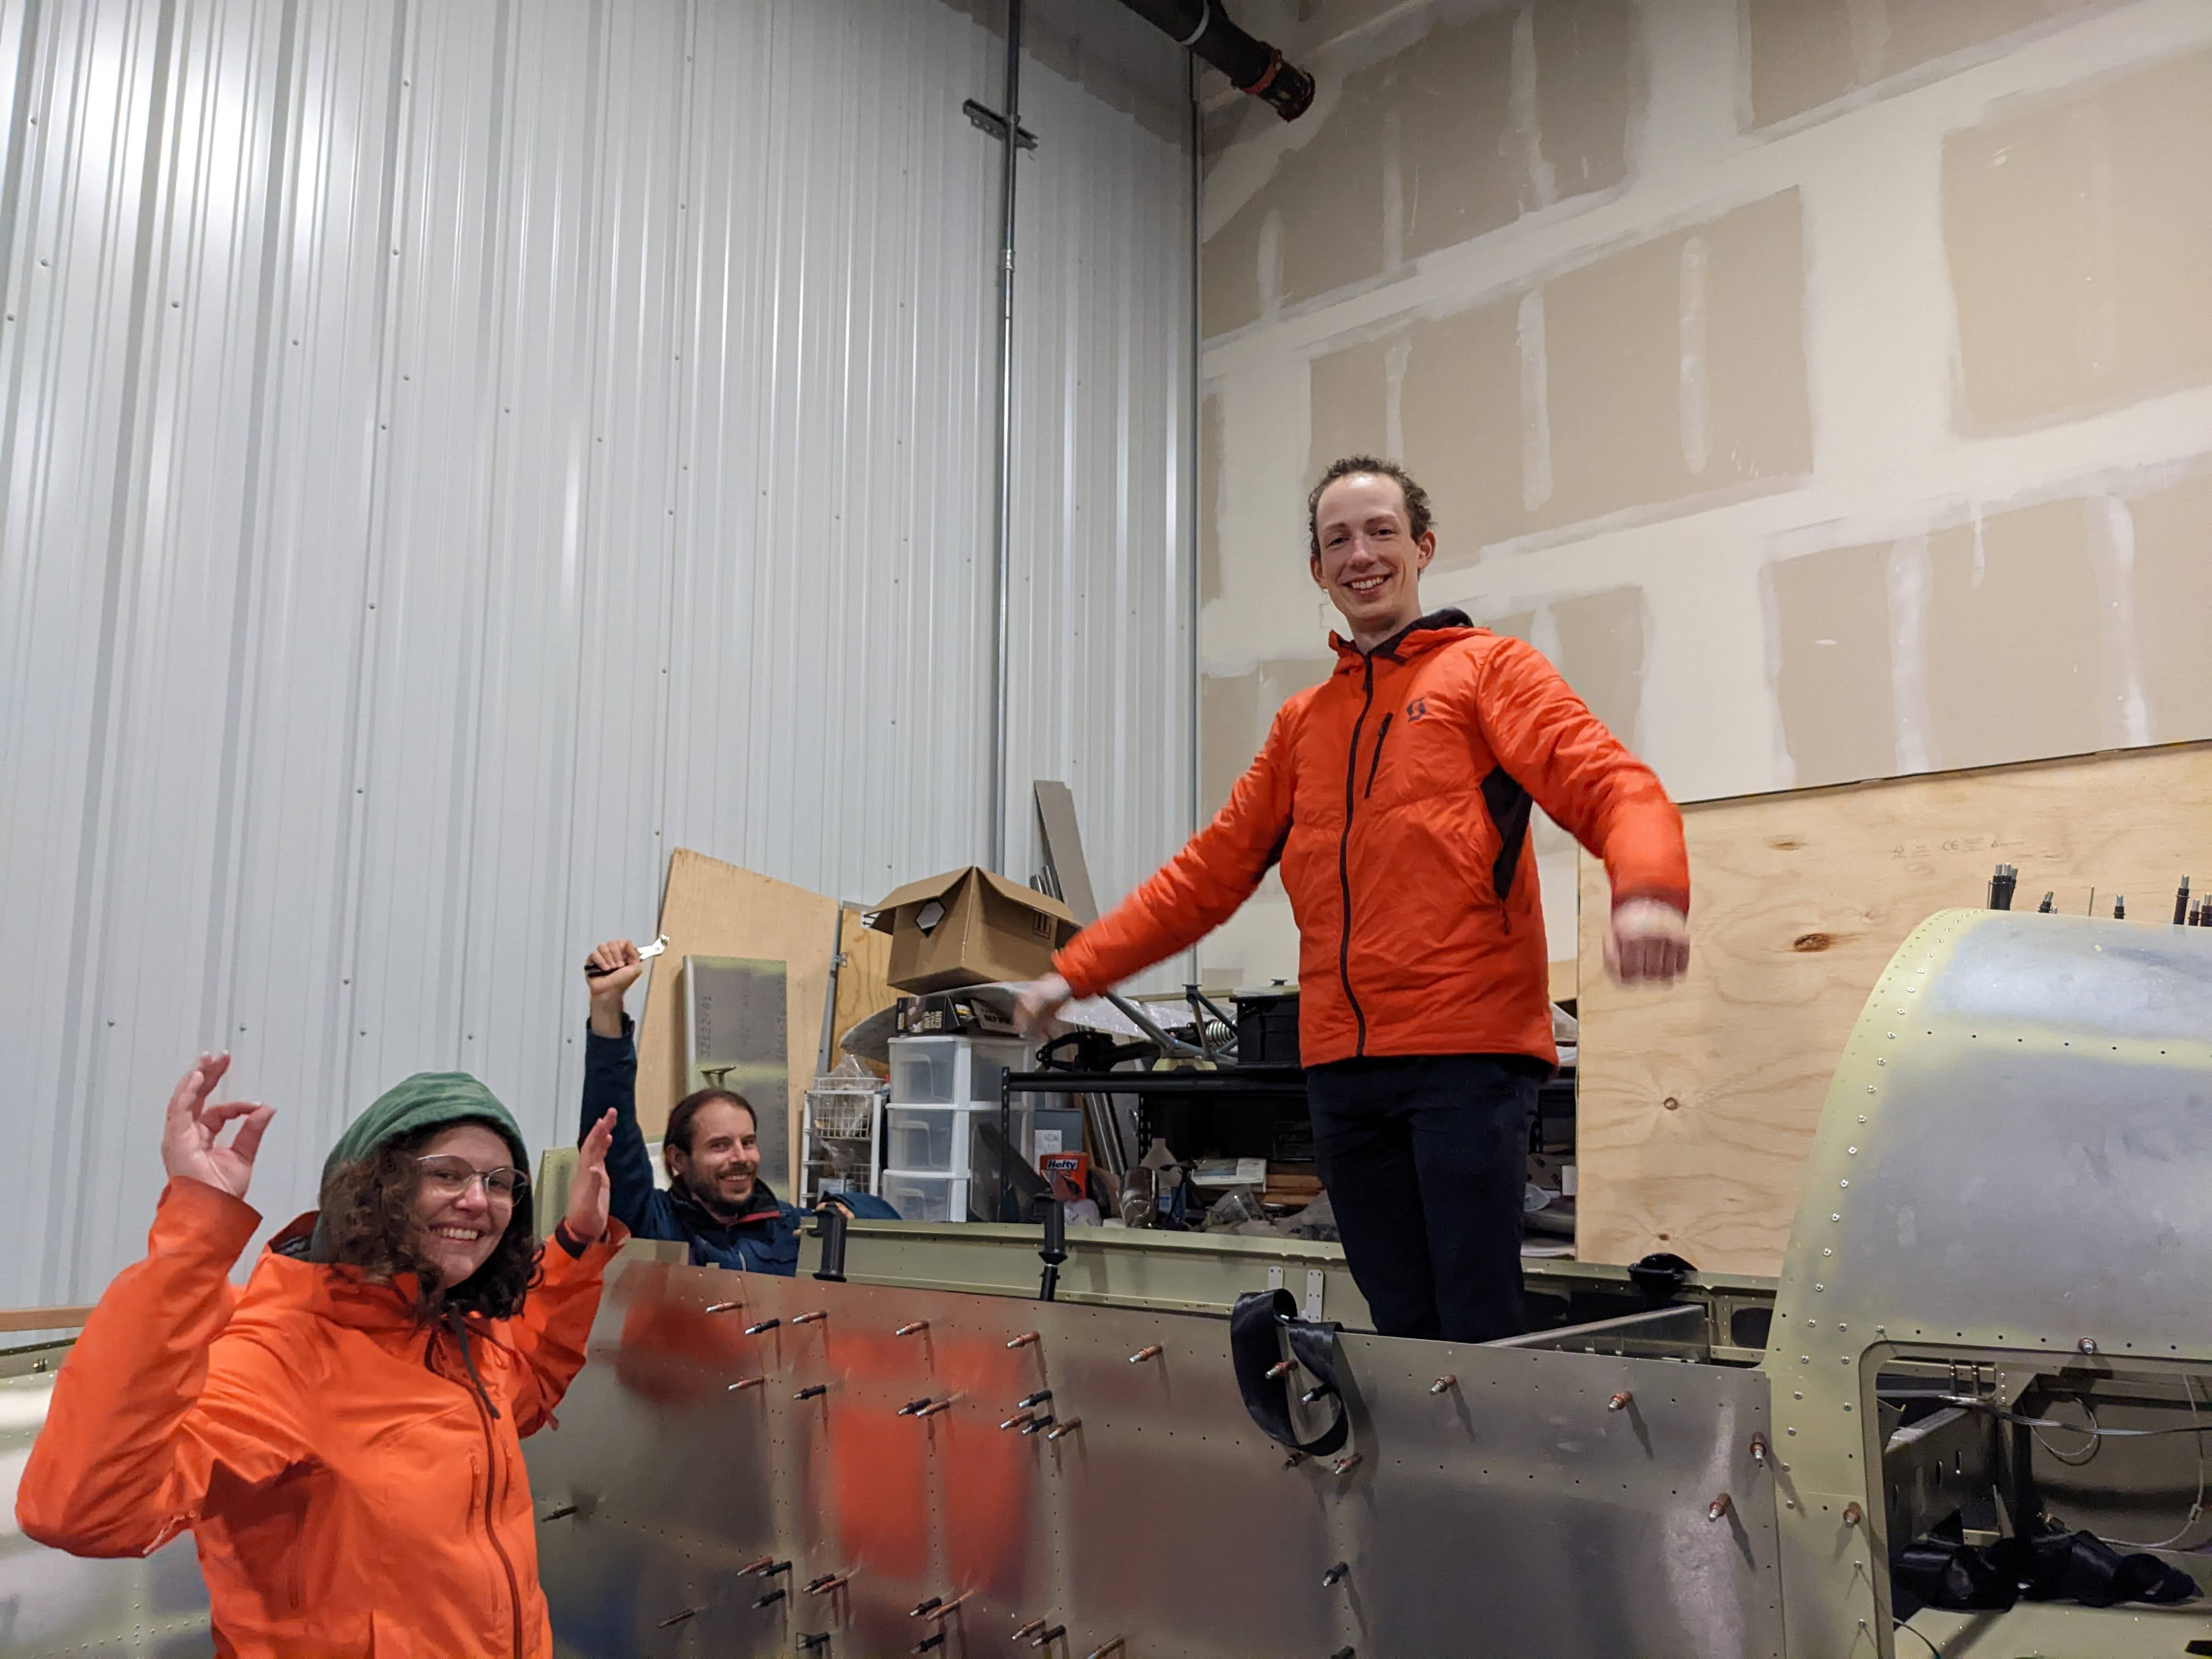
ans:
x=429 y=1100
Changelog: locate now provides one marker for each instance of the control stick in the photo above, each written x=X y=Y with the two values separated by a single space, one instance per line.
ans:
x=1055 y=1245
x=830 y=1227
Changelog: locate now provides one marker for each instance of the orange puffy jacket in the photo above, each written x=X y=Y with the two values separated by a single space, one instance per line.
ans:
x=1396 y=796
x=352 y=1491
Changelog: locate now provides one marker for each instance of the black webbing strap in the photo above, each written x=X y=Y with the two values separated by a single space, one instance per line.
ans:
x=2047 y=1564
x=1255 y=1349
x=2058 y=1565
x=1941 y=1569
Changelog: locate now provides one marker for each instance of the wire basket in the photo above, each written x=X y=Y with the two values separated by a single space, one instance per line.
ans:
x=841 y=1110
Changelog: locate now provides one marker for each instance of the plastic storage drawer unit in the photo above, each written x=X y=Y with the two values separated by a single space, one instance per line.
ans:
x=943 y=1140
x=927 y=1197
x=952 y=1071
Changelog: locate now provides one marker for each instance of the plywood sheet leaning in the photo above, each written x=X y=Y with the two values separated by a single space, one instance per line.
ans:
x=863 y=986
x=1698 y=1105
x=711 y=908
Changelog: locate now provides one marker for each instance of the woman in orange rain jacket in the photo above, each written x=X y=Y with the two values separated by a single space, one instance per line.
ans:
x=343 y=1437
x=1396 y=796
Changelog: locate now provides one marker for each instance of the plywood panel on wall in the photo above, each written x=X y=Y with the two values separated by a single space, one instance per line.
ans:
x=713 y=908
x=1698 y=1105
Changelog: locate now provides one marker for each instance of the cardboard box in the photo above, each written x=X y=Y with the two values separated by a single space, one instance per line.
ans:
x=970 y=927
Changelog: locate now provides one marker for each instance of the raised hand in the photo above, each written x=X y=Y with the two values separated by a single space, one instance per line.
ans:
x=619 y=964
x=189 y=1144
x=588 y=1191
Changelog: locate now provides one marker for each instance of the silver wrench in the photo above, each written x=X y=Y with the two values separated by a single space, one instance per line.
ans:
x=592 y=970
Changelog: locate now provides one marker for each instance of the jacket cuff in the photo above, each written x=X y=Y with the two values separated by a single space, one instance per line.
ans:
x=1678 y=897
x=581 y=1258
x=593 y=1040
x=1076 y=971
x=196 y=1216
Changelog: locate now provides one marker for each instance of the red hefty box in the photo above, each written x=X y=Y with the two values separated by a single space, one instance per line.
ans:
x=1068 y=1172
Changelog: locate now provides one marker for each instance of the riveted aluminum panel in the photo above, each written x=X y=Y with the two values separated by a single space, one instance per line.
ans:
x=2010 y=1161
x=663 y=1462
x=1575 y=1528
x=1513 y=1505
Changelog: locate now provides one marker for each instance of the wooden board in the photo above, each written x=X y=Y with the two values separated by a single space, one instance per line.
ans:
x=711 y=908
x=862 y=988
x=1697 y=1106
x=44 y=1319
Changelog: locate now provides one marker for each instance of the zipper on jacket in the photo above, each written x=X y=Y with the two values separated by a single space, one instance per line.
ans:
x=491 y=1529
x=1344 y=857
x=1375 y=765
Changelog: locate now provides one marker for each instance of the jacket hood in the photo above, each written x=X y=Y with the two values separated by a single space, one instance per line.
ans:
x=286 y=1278
x=1416 y=638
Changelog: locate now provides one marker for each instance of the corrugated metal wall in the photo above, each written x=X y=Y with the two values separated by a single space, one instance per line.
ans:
x=452 y=453
x=1101 y=648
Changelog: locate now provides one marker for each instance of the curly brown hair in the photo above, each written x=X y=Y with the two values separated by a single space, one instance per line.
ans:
x=1419 y=521
x=369 y=1213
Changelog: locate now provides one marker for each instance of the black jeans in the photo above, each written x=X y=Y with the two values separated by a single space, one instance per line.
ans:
x=1425 y=1159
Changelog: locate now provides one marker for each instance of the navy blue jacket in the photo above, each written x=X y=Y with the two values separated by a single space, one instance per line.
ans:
x=763 y=1240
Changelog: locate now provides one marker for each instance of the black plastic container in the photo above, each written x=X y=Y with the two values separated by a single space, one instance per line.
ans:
x=1267 y=1027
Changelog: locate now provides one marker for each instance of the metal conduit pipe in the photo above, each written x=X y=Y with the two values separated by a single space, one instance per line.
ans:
x=1002 y=526
x=1252 y=66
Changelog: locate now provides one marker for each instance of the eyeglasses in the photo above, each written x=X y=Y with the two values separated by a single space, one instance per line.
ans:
x=447 y=1177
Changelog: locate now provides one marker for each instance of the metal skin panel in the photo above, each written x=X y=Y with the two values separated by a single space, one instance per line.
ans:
x=914 y=1507
x=2010 y=1161
x=54 y=1604
x=1514 y=1506
x=1573 y=1529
